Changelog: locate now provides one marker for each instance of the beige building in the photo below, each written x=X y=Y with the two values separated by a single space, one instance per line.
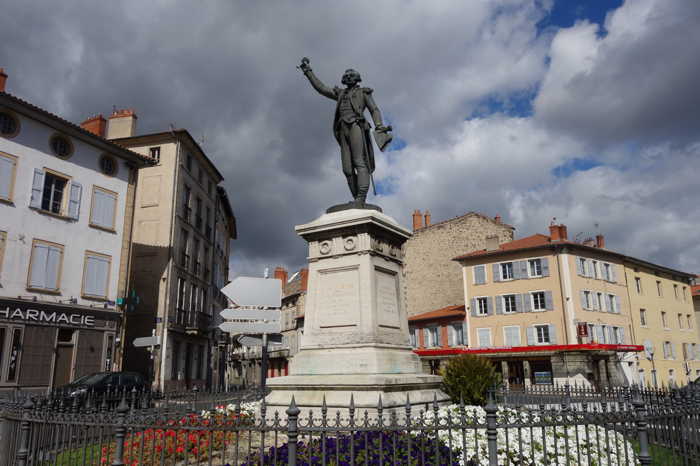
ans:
x=550 y=310
x=183 y=223
x=433 y=280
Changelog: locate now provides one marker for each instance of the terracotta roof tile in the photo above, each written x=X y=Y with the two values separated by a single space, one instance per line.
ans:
x=522 y=243
x=449 y=311
x=695 y=289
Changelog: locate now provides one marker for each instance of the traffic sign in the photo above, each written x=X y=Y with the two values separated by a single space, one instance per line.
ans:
x=251 y=327
x=147 y=341
x=251 y=314
x=254 y=291
x=247 y=340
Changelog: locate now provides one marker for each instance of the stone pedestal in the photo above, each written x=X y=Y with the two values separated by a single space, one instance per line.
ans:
x=355 y=337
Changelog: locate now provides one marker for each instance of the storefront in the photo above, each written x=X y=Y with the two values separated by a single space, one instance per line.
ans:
x=46 y=345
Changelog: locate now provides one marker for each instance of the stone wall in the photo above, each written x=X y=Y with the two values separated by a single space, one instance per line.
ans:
x=433 y=280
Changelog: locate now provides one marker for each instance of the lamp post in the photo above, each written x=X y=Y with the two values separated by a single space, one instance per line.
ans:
x=650 y=357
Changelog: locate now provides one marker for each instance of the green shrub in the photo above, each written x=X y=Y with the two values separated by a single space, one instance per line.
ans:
x=469 y=377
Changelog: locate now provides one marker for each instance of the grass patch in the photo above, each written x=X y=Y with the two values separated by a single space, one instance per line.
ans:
x=660 y=456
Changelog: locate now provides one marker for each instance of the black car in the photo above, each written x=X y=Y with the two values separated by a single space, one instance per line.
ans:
x=101 y=382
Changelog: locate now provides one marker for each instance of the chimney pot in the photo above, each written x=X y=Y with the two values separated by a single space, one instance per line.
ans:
x=96 y=125
x=558 y=232
x=417 y=220
x=427 y=218
x=600 y=241
x=3 y=79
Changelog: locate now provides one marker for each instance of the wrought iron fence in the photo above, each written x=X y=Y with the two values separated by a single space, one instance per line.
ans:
x=557 y=425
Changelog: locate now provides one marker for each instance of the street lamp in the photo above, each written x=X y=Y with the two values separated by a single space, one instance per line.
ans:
x=650 y=356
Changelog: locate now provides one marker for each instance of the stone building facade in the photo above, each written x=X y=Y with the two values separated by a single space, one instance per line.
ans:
x=432 y=279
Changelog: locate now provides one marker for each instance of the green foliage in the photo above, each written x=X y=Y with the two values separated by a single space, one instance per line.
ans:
x=470 y=377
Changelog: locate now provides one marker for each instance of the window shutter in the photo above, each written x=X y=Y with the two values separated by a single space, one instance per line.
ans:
x=104 y=205
x=599 y=333
x=450 y=336
x=496 y=273
x=545 y=267
x=622 y=336
x=110 y=207
x=6 y=168
x=594 y=300
x=601 y=301
x=37 y=189
x=613 y=273
x=552 y=334
x=76 y=190
x=489 y=305
x=464 y=332
x=548 y=301
x=530 y=331
x=53 y=264
x=673 y=351
x=617 y=304
x=526 y=302
x=522 y=265
x=516 y=270
x=518 y=303
x=96 y=275
x=473 y=309
x=583 y=299
x=479 y=274
x=589 y=268
x=611 y=335
x=579 y=270
x=499 y=304
x=40 y=255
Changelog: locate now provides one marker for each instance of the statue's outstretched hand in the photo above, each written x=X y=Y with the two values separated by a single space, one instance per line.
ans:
x=305 y=67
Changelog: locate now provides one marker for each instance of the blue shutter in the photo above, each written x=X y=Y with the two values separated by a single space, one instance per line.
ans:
x=530 y=332
x=518 y=303
x=499 y=304
x=40 y=255
x=545 y=267
x=622 y=336
x=473 y=307
x=76 y=191
x=579 y=269
x=464 y=332
x=489 y=305
x=522 y=265
x=450 y=336
x=583 y=300
x=552 y=334
x=617 y=305
x=7 y=166
x=527 y=303
x=548 y=301
x=613 y=273
x=496 y=273
x=37 y=189
x=479 y=275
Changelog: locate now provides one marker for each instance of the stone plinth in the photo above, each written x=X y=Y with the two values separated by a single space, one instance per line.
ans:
x=355 y=337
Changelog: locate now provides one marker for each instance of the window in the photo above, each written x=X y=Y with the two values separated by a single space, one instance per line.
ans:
x=482 y=306
x=13 y=362
x=542 y=334
x=184 y=253
x=688 y=317
x=659 y=290
x=200 y=175
x=643 y=317
x=607 y=272
x=103 y=212
x=9 y=124
x=412 y=335
x=195 y=255
x=535 y=267
x=209 y=186
x=619 y=336
x=458 y=335
x=433 y=337
x=668 y=350
x=605 y=334
x=198 y=214
x=600 y=302
x=612 y=304
x=3 y=242
x=582 y=266
x=109 y=165
x=96 y=275
x=207 y=227
x=507 y=271
x=511 y=335
x=587 y=302
x=484 y=337
x=180 y=298
x=509 y=304
x=45 y=266
x=8 y=171
x=205 y=259
x=538 y=301
x=595 y=267
x=638 y=284
x=671 y=377
x=675 y=291
x=61 y=146
x=685 y=294
x=664 y=322
x=479 y=274
x=186 y=195
x=154 y=152
x=188 y=162
x=680 y=321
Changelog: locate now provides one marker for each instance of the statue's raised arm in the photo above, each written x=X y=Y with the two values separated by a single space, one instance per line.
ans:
x=315 y=82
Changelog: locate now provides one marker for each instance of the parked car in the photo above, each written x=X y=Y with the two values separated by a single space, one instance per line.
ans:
x=98 y=384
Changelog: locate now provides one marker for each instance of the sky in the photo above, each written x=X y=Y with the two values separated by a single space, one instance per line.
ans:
x=587 y=112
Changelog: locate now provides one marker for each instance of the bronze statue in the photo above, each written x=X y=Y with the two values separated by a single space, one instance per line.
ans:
x=351 y=129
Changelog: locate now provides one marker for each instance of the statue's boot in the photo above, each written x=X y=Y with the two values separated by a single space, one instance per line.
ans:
x=352 y=184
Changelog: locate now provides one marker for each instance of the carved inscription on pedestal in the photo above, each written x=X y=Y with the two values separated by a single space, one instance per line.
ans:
x=339 y=298
x=387 y=299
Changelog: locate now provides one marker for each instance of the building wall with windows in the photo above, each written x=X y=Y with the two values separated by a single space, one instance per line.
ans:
x=433 y=280
x=65 y=218
x=664 y=322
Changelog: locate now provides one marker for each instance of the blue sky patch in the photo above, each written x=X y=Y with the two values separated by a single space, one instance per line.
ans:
x=574 y=165
x=386 y=186
x=565 y=13
x=516 y=104
x=396 y=144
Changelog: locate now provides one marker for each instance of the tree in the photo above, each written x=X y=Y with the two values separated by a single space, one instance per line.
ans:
x=470 y=377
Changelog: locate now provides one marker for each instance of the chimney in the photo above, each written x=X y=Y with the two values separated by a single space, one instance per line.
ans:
x=304 y=278
x=122 y=124
x=3 y=79
x=558 y=232
x=491 y=243
x=281 y=274
x=96 y=125
x=600 y=241
x=497 y=219
x=427 y=218
x=417 y=220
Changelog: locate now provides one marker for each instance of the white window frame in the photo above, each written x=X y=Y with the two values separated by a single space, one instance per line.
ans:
x=680 y=321
x=98 y=255
x=607 y=268
x=532 y=301
x=596 y=272
x=432 y=341
x=664 y=320
x=512 y=271
x=503 y=304
x=638 y=284
x=537 y=334
x=458 y=329
x=478 y=306
x=530 y=267
x=13 y=176
x=505 y=335
x=59 y=272
x=91 y=220
x=588 y=298
x=478 y=338
x=486 y=274
x=611 y=303
x=643 y=322
x=413 y=337
x=584 y=266
x=668 y=355
x=602 y=305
